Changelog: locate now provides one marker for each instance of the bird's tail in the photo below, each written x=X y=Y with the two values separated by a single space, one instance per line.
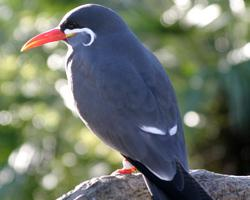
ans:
x=156 y=193
x=182 y=187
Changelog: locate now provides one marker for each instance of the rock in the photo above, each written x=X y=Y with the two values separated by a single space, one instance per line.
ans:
x=132 y=187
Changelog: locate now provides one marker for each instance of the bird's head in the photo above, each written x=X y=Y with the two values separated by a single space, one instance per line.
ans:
x=80 y=26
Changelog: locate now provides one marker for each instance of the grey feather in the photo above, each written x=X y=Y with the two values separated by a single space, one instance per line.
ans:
x=119 y=86
x=117 y=95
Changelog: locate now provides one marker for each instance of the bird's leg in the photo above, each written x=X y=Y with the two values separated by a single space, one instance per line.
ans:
x=127 y=168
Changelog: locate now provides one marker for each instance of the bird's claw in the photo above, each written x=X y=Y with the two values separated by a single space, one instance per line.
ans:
x=124 y=171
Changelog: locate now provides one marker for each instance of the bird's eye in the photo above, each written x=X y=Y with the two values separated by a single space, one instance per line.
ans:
x=72 y=25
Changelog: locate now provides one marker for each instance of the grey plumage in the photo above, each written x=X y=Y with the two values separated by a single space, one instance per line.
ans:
x=119 y=86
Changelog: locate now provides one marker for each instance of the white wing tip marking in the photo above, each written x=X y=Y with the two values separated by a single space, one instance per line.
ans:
x=153 y=130
x=173 y=130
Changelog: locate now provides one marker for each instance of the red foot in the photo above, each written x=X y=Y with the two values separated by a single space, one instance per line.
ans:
x=125 y=171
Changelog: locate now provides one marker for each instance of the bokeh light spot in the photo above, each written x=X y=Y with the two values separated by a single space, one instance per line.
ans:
x=21 y=159
x=192 y=119
x=69 y=159
x=5 y=118
x=49 y=181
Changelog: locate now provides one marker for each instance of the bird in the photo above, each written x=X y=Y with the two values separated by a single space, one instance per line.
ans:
x=124 y=96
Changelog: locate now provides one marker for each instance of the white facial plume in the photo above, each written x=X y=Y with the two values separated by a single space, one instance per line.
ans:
x=84 y=32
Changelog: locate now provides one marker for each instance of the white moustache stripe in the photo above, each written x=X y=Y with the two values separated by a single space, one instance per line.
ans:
x=82 y=30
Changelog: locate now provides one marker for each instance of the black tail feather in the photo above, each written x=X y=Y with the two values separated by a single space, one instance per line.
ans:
x=156 y=193
x=182 y=187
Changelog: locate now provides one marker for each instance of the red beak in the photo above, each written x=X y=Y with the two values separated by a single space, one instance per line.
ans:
x=44 y=38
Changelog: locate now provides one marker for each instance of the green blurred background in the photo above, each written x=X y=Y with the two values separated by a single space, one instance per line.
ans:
x=45 y=149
